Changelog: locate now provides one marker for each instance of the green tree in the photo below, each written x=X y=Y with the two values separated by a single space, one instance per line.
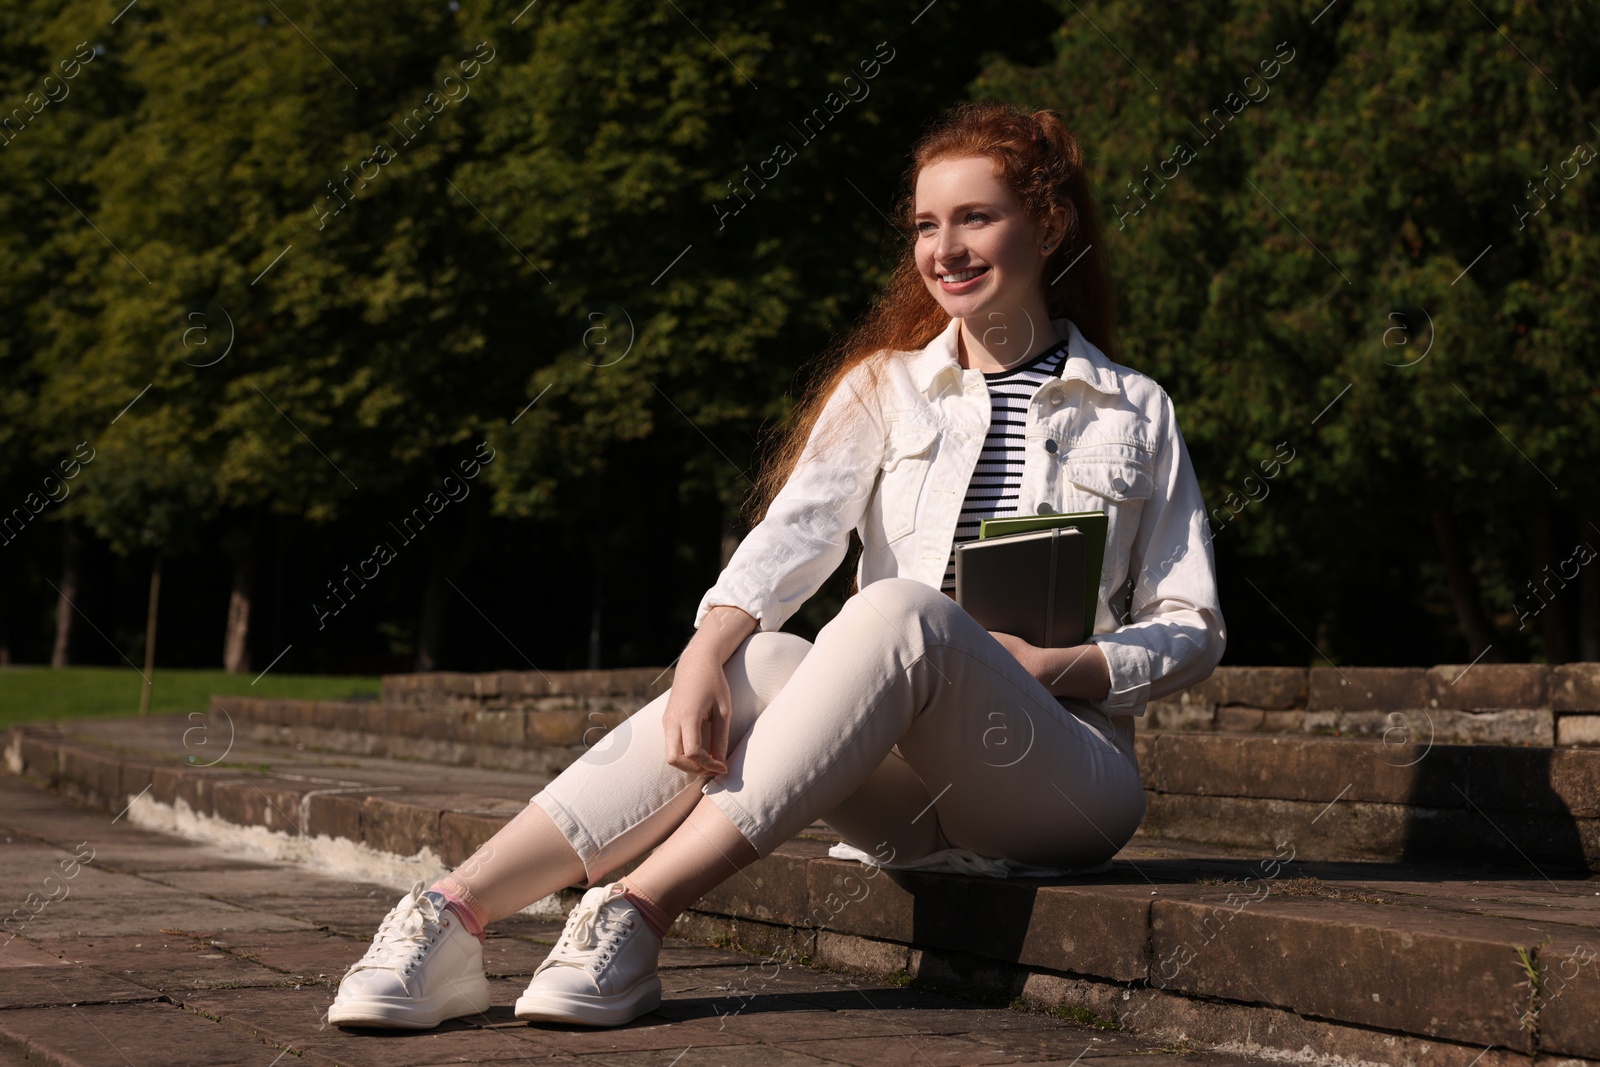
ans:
x=1300 y=279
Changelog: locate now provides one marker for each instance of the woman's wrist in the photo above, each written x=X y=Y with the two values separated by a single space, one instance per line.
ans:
x=723 y=630
x=1080 y=671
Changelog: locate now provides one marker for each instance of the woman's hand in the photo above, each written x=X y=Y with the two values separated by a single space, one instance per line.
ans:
x=699 y=709
x=1078 y=671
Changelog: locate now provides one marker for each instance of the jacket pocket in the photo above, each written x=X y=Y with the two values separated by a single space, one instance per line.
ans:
x=906 y=462
x=1109 y=474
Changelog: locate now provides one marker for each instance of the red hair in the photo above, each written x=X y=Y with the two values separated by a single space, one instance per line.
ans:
x=1042 y=164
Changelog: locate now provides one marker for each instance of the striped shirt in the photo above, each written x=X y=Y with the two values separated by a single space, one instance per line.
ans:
x=997 y=479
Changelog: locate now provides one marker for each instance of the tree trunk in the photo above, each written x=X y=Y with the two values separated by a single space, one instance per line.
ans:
x=278 y=584
x=449 y=560
x=1553 y=622
x=429 y=620
x=71 y=554
x=236 y=638
x=150 y=637
x=594 y=621
x=1475 y=625
x=1589 y=595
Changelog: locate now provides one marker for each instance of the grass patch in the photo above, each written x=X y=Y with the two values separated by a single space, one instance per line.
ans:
x=1303 y=886
x=44 y=694
x=1075 y=1013
x=786 y=954
x=1180 y=1047
x=1311 y=886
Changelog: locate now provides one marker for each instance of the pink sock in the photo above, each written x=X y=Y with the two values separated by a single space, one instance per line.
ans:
x=655 y=918
x=464 y=903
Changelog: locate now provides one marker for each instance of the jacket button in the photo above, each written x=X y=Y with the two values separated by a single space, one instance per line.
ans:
x=1046 y=509
x=1119 y=485
x=1055 y=397
x=1049 y=444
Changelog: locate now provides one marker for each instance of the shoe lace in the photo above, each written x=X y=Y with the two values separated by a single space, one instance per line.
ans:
x=406 y=933
x=591 y=930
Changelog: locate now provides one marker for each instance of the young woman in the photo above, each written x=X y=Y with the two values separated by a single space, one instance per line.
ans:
x=978 y=386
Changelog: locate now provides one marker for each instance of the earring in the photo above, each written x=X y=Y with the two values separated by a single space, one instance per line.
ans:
x=1046 y=248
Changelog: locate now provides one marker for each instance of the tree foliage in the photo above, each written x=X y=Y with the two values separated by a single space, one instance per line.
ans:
x=285 y=268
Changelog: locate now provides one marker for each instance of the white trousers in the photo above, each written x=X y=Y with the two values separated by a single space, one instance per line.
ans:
x=906 y=727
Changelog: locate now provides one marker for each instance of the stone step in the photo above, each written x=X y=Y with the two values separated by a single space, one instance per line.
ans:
x=1400 y=796
x=544 y=739
x=1475 y=703
x=1346 y=799
x=1259 y=950
x=156 y=951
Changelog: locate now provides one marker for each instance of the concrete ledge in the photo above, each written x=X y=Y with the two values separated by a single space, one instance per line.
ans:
x=1483 y=703
x=517 y=689
x=469 y=718
x=1366 y=688
x=1575 y=687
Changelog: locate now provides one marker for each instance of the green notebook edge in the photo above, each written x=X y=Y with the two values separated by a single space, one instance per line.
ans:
x=1093 y=524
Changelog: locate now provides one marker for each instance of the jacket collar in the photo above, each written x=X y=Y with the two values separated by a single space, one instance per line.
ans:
x=931 y=366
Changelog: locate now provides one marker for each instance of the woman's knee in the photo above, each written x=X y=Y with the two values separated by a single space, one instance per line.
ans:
x=903 y=597
x=900 y=601
x=762 y=664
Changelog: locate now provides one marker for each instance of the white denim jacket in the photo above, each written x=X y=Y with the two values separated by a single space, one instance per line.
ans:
x=893 y=464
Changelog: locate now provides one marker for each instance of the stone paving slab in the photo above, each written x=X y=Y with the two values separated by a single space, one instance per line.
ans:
x=167 y=910
x=722 y=1056
x=157 y=1035
x=309 y=957
x=245 y=972
x=904 y=1051
x=293 y=1018
x=44 y=986
x=166 y=962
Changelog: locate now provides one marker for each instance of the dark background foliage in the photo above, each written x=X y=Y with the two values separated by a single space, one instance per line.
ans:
x=1374 y=253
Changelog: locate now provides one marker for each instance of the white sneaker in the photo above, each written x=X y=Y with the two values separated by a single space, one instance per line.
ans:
x=423 y=967
x=602 y=971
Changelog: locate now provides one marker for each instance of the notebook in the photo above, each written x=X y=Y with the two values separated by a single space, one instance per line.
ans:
x=1026 y=584
x=1006 y=590
x=1092 y=523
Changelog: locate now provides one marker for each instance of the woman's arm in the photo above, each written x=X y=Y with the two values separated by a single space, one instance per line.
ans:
x=723 y=629
x=1174 y=636
x=806 y=531
x=775 y=569
x=699 y=707
x=1080 y=671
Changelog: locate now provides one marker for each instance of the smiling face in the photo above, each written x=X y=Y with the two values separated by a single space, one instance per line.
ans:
x=977 y=251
